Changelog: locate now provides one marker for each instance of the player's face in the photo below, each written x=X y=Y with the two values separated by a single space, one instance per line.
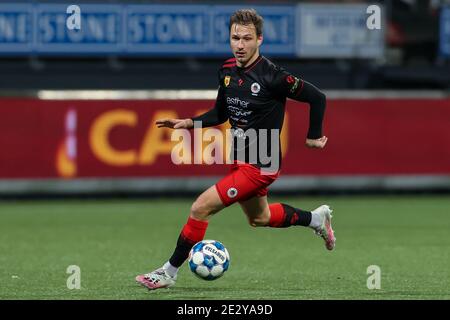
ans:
x=244 y=43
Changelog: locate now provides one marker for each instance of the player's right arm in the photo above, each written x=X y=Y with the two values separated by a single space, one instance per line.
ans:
x=216 y=115
x=175 y=123
x=213 y=117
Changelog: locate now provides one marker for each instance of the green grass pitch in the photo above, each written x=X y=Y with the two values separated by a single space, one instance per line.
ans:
x=114 y=240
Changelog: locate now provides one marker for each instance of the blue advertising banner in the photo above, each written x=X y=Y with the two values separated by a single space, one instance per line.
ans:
x=168 y=29
x=337 y=31
x=16 y=28
x=444 y=38
x=180 y=30
x=100 y=32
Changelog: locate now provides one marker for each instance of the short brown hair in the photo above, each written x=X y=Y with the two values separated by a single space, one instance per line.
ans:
x=247 y=17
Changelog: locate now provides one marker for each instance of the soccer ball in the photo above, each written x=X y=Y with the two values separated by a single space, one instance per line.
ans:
x=209 y=259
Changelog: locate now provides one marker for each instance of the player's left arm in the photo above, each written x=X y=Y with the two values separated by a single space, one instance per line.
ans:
x=298 y=89
x=317 y=102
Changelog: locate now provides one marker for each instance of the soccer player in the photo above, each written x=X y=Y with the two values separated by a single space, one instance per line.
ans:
x=252 y=95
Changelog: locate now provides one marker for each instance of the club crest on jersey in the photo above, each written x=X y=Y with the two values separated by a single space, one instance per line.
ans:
x=255 y=87
x=226 y=81
x=232 y=192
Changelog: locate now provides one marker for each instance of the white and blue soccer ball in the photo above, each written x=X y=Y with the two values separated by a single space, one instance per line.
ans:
x=209 y=259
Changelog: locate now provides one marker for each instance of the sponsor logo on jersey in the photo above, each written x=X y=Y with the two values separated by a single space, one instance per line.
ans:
x=255 y=87
x=237 y=102
x=240 y=82
x=226 y=81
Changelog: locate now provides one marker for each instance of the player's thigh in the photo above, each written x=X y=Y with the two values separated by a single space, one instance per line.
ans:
x=239 y=185
x=257 y=210
x=207 y=204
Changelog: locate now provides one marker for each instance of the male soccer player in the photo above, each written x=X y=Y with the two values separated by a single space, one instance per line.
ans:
x=252 y=95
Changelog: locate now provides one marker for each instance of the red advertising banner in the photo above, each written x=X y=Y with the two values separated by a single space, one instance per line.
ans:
x=118 y=138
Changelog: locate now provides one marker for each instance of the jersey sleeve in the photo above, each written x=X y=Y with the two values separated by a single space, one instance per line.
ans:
x=287 y=85
x=218 y=114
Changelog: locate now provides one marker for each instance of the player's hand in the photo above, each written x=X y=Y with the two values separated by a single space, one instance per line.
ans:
x=316 y=143
x=175 y=123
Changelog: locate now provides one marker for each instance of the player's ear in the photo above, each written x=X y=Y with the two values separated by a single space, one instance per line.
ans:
x=259 y=40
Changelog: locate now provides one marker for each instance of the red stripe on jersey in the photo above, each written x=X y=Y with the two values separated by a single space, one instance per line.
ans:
x=229 y=65
x=230 y=60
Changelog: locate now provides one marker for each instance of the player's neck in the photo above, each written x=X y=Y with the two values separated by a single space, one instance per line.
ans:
x=249 y=62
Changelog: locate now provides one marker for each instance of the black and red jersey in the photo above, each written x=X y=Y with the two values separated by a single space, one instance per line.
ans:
x=253 y=99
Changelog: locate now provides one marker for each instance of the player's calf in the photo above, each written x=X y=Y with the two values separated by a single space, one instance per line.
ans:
x=283 y=216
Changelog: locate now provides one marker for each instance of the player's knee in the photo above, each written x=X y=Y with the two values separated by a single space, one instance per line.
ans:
x=200 y=211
